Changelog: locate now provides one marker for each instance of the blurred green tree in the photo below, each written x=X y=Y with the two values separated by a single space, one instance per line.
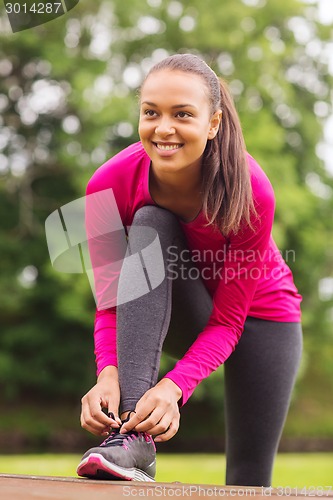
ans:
x=68 y=102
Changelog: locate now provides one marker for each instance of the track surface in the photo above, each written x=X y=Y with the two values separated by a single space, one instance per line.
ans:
x=15 y=487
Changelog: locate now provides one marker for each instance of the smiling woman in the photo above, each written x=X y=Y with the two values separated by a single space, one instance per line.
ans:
x=191 y=182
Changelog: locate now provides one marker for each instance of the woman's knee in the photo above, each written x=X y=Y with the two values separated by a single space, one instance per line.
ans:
x=155 y=217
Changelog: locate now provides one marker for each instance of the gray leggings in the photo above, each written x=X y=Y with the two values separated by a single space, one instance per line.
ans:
x=259 y=375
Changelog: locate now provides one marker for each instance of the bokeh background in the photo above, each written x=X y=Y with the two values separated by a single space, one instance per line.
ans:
x=68 y=101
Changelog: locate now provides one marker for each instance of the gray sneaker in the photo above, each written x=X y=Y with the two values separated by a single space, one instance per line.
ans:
x=129 y=457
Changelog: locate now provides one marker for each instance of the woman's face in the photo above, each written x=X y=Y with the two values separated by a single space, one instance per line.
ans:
x=175 y=120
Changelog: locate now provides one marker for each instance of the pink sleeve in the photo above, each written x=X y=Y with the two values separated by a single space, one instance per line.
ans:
x=105 y=338
x=232 y=299
x=110 y=196
x=107 y=246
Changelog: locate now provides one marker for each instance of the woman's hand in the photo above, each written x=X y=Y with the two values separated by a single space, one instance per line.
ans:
x=105 y=394
x=157 y=411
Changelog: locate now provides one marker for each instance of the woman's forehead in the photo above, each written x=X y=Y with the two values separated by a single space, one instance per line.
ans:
x=174 y=82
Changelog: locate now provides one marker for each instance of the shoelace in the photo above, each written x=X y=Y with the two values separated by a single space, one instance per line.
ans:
x=117 y=439
x=111 y=414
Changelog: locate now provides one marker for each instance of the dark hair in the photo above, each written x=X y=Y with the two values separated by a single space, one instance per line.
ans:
x=227 y=193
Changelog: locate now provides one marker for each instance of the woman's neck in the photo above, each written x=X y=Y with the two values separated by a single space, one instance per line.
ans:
x=181 y=195
x=181 y=184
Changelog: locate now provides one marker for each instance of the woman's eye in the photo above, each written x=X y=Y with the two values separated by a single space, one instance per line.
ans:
x=150 y=112
x=183 y=114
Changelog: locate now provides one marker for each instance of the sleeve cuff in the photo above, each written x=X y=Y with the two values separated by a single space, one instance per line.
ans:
x=183 y=387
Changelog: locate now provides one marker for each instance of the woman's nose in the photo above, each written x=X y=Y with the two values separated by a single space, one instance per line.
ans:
x=165 y=127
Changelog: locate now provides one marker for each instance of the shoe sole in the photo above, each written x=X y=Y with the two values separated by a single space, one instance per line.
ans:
x=95 y=465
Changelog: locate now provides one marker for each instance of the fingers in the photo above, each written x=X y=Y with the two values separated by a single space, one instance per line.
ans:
x=148 y=411
x=158 y=423
x=172 y=430
x=156 y=413
x=157 y=420
x=93 y=419
x=114 y=417
x=135 y=419
x=97 y=422
x=166 y=426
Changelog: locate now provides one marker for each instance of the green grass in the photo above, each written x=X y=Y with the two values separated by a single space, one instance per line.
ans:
x=311 y=469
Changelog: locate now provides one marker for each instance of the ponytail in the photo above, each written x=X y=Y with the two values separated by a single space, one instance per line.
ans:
x=227 y=192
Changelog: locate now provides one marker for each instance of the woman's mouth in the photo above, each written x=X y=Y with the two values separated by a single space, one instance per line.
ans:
x=167 y=149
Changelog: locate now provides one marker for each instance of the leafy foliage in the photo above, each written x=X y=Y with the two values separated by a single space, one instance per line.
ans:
x=68 y=101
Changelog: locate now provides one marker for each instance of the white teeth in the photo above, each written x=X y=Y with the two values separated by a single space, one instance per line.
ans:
x=168 y=147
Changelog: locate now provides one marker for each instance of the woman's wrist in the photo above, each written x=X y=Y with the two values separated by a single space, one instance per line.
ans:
x=107 y=373
x=173 y=386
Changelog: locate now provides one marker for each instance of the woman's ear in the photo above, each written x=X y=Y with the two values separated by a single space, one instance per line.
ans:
x=215 y=124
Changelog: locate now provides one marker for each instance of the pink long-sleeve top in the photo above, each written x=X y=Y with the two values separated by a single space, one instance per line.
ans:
x=247 y=276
